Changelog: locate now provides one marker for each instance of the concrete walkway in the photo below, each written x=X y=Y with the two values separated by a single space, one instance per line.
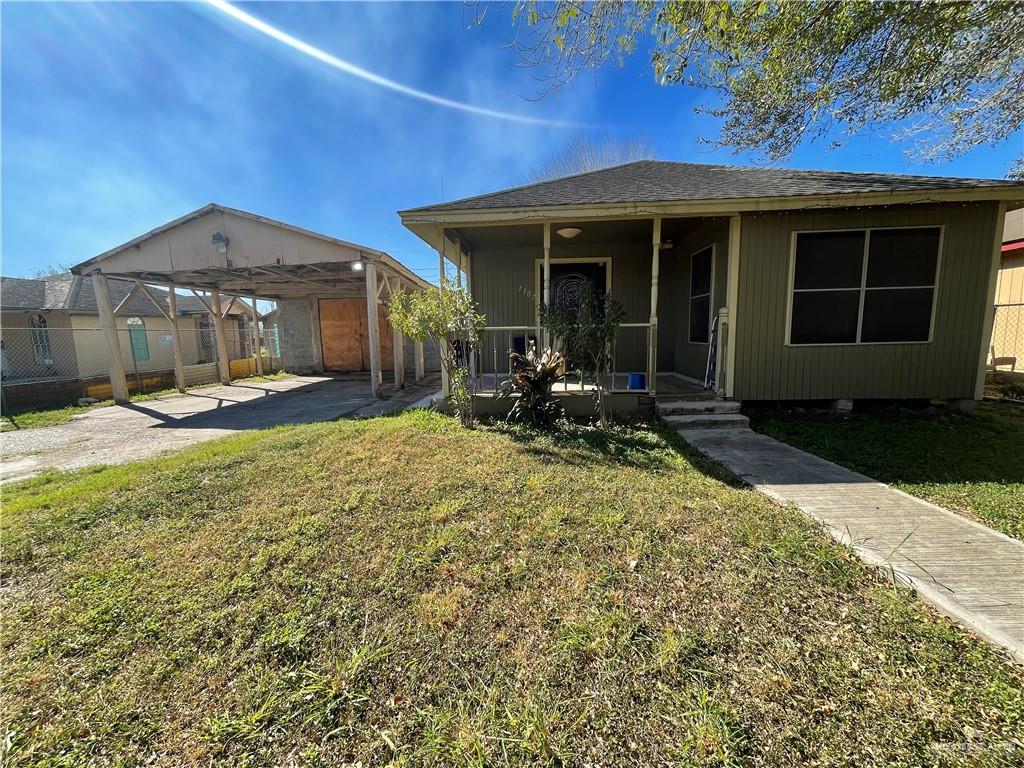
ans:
x=120 y=433
x=968 y=571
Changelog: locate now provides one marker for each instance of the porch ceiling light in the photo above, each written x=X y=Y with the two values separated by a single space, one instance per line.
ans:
x=568 y=232
x=357 y=266
x=220 y=241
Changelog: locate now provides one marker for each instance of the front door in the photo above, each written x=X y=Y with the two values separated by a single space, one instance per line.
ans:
x=344 y=337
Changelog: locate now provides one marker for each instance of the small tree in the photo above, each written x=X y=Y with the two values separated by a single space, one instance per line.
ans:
x=586 y=326
x=448 y=317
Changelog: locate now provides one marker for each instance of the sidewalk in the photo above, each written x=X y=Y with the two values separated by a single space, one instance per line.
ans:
x=968 y=571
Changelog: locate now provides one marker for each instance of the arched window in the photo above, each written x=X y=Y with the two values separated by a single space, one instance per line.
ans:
x=41 y=340
x=137 y=337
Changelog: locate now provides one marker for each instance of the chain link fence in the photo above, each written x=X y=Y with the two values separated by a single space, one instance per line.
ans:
x=1006 y=352
x=46 y=365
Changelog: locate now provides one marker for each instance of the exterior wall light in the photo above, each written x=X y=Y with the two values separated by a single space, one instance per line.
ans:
x=221 y=241
x=568 y=232
x=357 y=266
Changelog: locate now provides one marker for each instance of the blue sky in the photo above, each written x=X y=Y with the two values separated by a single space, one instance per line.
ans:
x=117 y=117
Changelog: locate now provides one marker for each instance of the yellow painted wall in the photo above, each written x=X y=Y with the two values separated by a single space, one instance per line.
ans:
x=1008 y=323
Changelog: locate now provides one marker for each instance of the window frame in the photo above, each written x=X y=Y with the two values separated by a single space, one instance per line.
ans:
x=41 y=340
x=710 y=294
x=863 y=288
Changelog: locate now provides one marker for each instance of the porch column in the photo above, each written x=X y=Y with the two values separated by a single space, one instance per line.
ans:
x=547 y=279
x=652 y=350
x=373 y=327
x=446 y=388
x=398 y=349
x=547 y=264
x=118 y=383
x=256 y=337
x=732 y=293
x=223 y=365
x=419 y=362
x=459 y=265
x=179 y=362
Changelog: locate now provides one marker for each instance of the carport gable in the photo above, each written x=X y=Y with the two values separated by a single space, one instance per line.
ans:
x=253 y=256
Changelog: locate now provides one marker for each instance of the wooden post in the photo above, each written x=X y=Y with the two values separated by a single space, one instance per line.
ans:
x=459 y=264
x=256 y=337
x=118 y=383
x=547 y=279
x=419 y=362
x=373 y=327
x=223 y=365
x=652 y=353
x=179 y=362
x=732 y=303
x=446 y=389
x=398 y=348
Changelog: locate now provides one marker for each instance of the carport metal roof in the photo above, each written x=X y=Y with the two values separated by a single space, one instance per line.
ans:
x=263 y=257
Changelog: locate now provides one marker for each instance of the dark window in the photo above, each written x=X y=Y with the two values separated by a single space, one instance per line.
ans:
x=701 y=267
x=828 y=260
x=825 y=317
x=903 y=314
x=838 y=299
x=903 y=257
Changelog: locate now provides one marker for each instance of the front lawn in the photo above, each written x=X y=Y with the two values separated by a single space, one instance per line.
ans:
x=973 y=464
x=397 y=591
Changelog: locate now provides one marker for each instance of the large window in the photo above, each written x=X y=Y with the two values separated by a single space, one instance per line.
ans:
x=864 y=286
x=701 y=272
x=41 y=340
x=137 y=337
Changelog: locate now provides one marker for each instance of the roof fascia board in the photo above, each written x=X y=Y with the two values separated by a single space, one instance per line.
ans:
x=723 y=207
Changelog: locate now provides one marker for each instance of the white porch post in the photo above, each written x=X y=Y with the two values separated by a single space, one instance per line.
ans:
x=459 y=265
x=223 y=365
x=465 y=259
x=179 y=362
x=547 y=276
x=118 y=383
x=256 y=337
x=652 y=352
x=373 y=327
x=732 y=304
x=446 y=388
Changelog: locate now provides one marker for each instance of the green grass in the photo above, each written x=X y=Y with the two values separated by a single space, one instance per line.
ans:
x=49 y=417
x=397 y=591
x=973 y=464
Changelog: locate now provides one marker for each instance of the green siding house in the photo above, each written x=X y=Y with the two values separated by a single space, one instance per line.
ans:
x=763 y=284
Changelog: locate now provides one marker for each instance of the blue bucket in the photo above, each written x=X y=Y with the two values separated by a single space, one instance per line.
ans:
x=637 y=381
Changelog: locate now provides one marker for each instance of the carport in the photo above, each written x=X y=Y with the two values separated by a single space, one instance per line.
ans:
x=329 y=292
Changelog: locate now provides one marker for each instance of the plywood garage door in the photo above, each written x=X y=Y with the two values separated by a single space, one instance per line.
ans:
x=344 y=337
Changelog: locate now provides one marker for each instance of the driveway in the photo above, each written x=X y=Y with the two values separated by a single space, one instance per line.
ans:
x=121 y=433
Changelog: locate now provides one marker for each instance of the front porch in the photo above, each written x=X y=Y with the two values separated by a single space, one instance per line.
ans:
x=670 y=275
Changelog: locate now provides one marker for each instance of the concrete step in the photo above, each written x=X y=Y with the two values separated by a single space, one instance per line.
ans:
x=708 y=421
x=682 y=407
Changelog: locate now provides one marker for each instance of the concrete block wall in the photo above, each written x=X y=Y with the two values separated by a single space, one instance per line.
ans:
x=295 y=325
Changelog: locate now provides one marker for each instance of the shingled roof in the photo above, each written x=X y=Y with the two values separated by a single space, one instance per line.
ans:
x=659 y=181
x=73 y=293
